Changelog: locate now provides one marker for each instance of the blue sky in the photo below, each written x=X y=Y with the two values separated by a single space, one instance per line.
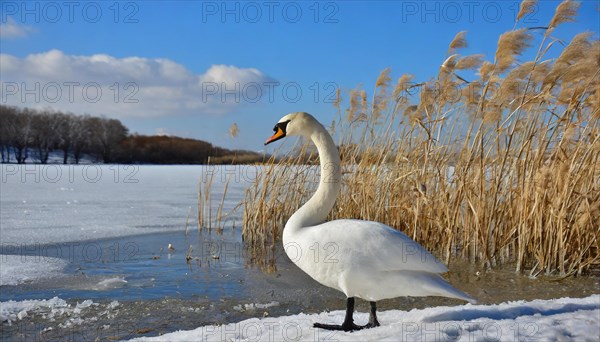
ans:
x=161 y=66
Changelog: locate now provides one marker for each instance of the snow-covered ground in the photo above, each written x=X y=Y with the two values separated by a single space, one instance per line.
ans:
x=564 y=319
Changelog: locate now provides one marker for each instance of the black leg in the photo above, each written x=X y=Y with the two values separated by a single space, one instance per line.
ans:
x=348 y=324
x=349 y=319
x=373 y=322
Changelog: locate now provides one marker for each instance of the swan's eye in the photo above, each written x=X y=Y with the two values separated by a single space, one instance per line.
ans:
x=283 y=125
x=275 y=128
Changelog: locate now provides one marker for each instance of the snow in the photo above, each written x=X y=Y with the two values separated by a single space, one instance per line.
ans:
x=18 y=269
x=563 y=319
x=255 y=306
x=17 y=310
x=54 y=310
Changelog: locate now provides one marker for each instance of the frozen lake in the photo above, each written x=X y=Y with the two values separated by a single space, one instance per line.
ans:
x=58 y=204
x=84 y=249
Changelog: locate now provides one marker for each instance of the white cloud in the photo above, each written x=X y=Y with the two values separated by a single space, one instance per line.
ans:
x=125 y=87
x=12 y=29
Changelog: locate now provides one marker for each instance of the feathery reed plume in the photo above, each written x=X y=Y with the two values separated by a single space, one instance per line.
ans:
x=379 y=105
x=363 y=100
x=384 y=79
x=485 y=70
x=493 y=115
x=565 y=12
x=595 y=49
x=459 y=42
x=521 y=72
x=404 y=82
x=470 y=62
x=449 y=64
x=581 y=71
x=354 y=105
x=447 y=71
x=427 y=101
x=527 y=7
x=234 y=131
x=362 y=116
x=338 y=99
x=471 y=94
x=510 y=45
x=411 y=113
x=540 y=71
x=380 y=100
x=577 y=48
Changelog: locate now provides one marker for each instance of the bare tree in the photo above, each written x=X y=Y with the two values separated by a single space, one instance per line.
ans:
x=22 y=137
x=8 y=118
x=44 y=133
x=66 y=125
x=81 y=136
x=110 y=134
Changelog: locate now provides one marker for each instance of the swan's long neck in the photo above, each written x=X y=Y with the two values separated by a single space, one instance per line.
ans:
x=315 y=211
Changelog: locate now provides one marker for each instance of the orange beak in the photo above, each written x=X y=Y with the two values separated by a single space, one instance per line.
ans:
x=278 y=135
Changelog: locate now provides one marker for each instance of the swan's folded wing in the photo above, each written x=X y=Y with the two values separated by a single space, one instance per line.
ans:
x=377 y=246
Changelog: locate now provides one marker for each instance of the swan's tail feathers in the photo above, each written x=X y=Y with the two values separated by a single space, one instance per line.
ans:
x=458 y=294
x=391 y=284
x=429 y=284
x=444 y=289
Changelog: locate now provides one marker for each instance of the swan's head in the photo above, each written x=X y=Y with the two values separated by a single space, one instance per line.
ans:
x=299 y=123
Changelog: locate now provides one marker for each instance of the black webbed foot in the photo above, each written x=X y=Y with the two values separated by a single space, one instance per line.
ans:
x=348 y=324
x=344 y=327
x=371 y=325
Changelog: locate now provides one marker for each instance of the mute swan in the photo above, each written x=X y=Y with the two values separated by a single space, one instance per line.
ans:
x=363 y=259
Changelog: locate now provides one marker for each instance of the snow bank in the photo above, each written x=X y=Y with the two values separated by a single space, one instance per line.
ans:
x=560 y=319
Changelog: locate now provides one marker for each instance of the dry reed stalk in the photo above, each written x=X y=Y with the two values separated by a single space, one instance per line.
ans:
x=220 y=208
x=207 y=202
x=200 y=206
x=187 y=220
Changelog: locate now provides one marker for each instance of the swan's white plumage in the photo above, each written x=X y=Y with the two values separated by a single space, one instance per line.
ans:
x=362 y=259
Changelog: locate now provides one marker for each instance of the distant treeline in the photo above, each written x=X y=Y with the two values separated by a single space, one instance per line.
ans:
x=31 y=135
x=175 y=150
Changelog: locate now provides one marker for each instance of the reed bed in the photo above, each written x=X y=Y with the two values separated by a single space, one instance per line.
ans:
x=492 y=161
